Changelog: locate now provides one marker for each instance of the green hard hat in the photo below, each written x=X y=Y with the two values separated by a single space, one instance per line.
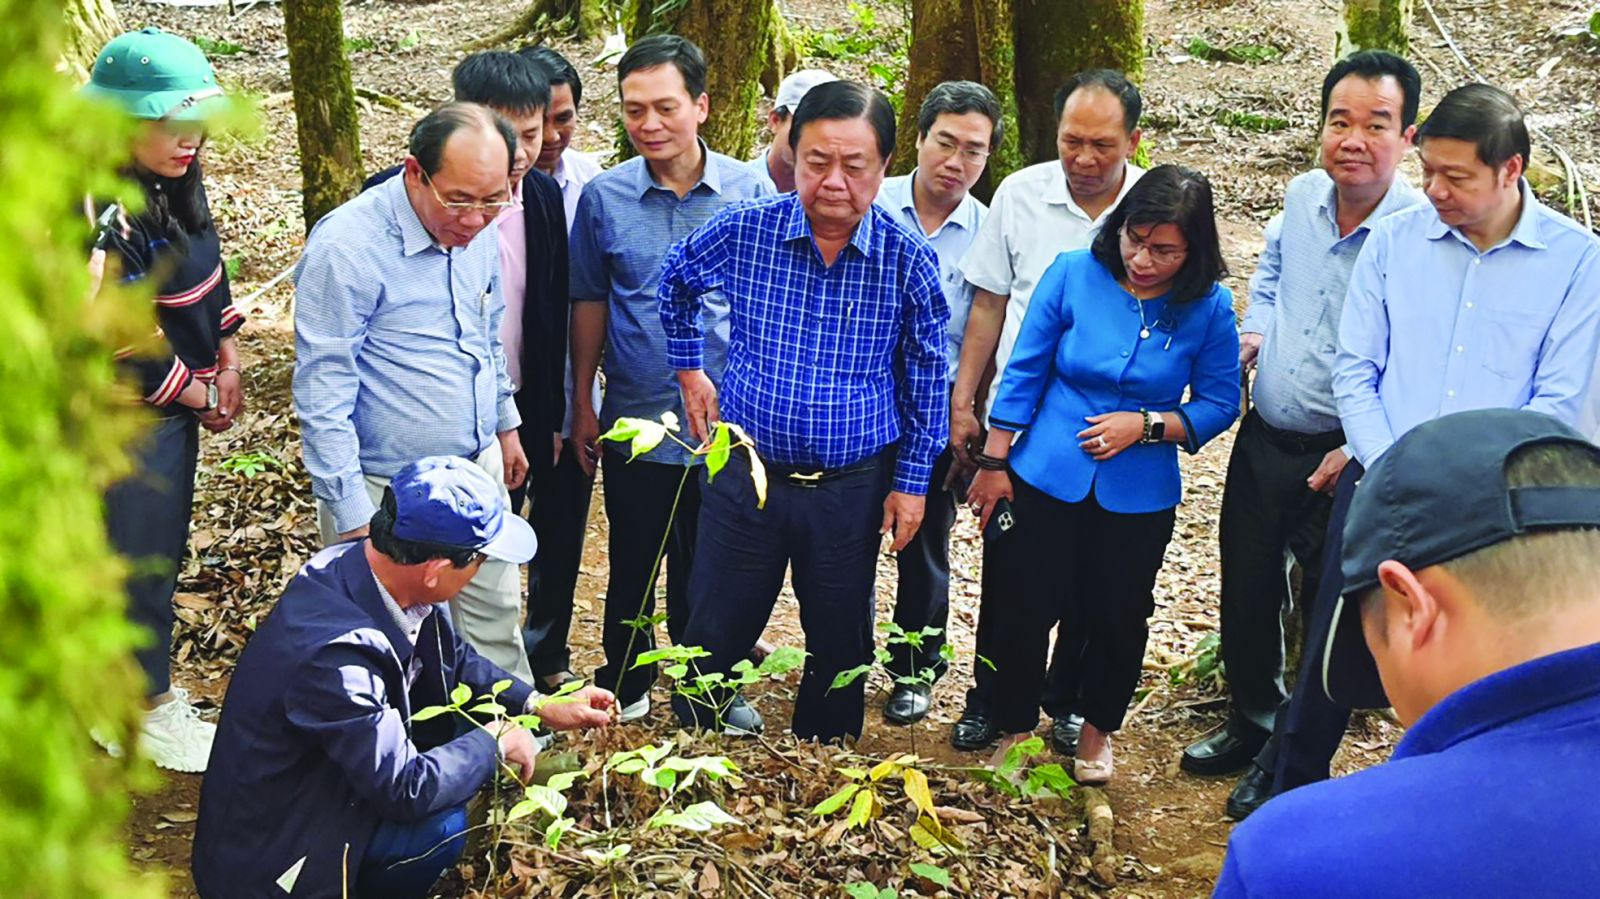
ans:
x=155 y=75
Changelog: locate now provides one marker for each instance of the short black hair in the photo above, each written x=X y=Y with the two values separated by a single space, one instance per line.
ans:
x=1112 y=82
x=960 y=98
x=409 y=552
x=846 y=100
x=502 y=80
x=1180 y=196
x=556 y=69
x=435 y=129
x=666 y=50
x=1374 y=65
x=1484 y=116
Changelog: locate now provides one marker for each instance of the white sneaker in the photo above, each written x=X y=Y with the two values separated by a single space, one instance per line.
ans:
x=635 y=710
x=175 y=737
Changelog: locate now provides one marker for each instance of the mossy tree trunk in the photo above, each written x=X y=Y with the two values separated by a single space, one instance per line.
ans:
x=738 y=41
x=1373 y=25
x=324 y=106
x=579 y=18
x=960 y=40
x=1057 y=38
x=1022 y=50
x=90 y=24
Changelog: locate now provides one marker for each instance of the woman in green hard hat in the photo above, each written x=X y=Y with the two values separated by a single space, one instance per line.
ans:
x=188 y=372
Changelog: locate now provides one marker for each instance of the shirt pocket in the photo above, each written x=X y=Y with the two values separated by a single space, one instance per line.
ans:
x=1511 y=339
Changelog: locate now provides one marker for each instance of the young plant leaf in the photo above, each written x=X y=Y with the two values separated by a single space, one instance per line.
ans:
x=557 y=829
x=932 y=873
x=432 y=711
x=700 y=817
x=917 y=790
x=500 y=686
x=861 y=811
x=717 y=454
x=460 y=695
x=836 y=801
x=848 y=676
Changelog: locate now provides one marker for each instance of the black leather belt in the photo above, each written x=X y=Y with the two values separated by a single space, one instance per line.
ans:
x=1297 y=442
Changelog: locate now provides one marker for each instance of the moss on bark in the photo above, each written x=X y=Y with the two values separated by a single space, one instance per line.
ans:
x=1374 y=25
x=1054 y=40
x=325 y=114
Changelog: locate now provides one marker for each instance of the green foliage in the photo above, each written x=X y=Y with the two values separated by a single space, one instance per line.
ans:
x=215 y=47
x=932 y=873
x=1594 y=24
x=658 y=767
x=251 y=464
x=1204 y=666
x=1251 y=121
x=863 y=890
x=884 y=52
x=63 y=424
x=358 y=44
x=1252 y=54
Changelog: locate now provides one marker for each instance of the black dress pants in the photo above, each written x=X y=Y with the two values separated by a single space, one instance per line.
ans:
x=639 y=499
x=1310 y=725
x=147 y=520
x=922 y=594
x=1087 y=570
x=559 y=514
x=826 y=534
x=1267 y=509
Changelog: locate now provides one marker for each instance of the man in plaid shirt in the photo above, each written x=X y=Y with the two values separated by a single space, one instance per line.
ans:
x=836 y=370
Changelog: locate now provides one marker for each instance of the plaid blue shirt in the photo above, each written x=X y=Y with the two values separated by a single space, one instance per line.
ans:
x=827 y=365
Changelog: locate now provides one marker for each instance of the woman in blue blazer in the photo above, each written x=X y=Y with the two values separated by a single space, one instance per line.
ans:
x=1082 y=452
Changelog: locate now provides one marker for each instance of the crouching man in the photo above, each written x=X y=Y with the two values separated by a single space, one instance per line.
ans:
x=319 y=776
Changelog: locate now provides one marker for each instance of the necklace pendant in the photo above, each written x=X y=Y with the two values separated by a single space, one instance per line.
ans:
x=1144 y=333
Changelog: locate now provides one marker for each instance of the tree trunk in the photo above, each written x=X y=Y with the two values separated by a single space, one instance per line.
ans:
x=960 y=40
x=1022 y=50
x=324 y=106
x=1057 y=38
x=1373 y=25
x=737 y=39
x=90 y=25
x=579 y=18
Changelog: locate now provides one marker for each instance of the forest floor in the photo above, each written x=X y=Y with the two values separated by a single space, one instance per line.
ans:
x=253 y=530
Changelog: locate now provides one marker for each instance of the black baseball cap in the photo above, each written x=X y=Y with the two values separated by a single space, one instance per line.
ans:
x=1438 y=494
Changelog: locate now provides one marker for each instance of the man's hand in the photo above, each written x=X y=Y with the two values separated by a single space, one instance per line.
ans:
x=214 y=421
x=1327 y=474
x=518 y=750
x=230 y=394
x=586 y=436
x=579 y=710
x=902 y=515
x=966 y=434
x=699 y=402
x=1249 y=348
x=97 y=272
x=351 y=535
x=513 y=458
x=556 y=440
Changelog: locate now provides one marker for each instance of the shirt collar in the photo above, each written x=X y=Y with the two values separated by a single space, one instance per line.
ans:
x=1504 y=697
x=515 y=209
x=1057 y=193
x=710 y=174
x=414 y=238
x=408 y=620
x=1526 y=231
x=903 y=197
x=1397 y=197
x=796 y=226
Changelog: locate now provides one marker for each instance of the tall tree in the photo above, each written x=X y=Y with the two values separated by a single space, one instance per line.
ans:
x=63 y=424
x=739 y=39
x=90 y=24
x=1374 y=25
x=324 y=106
x=1022 y=50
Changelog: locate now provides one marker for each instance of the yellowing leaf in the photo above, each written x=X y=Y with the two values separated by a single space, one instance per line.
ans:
x=758 y=477
x=884 y=769
x=862 y=811
x=934 y=836
x=717 y=454
x=917 y=790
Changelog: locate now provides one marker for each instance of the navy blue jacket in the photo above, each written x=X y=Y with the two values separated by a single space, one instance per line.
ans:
x=1495 y=792
x=316 y=744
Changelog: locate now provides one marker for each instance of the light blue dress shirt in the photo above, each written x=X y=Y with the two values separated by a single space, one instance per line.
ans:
x=1080 y=354
x=1432 y=326
x=758 y=168
x=397 y=348
x=624 y=226
x=1296 y=296
x=950 y=243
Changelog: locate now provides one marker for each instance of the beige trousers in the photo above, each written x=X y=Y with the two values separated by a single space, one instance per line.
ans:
x=488 y=611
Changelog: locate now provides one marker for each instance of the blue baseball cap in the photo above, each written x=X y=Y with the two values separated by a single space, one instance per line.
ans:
x=1439 y=494
x=449 y=501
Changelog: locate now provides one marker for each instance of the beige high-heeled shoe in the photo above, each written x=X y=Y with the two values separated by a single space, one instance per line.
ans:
x=1095 y=772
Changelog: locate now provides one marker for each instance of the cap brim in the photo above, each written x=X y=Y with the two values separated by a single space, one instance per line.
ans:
x=168 y=105
x=1349 y=674
x=515 y=543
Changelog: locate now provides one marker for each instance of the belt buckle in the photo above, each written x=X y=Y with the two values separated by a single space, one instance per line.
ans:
x=808 y=480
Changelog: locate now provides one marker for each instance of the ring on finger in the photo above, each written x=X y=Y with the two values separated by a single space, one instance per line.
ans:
x=1101 y=441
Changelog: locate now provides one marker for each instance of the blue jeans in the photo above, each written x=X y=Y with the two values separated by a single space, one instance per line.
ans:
x=404 y=858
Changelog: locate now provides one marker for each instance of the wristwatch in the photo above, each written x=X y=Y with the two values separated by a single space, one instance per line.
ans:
x=1155 y=427
x=212 y=401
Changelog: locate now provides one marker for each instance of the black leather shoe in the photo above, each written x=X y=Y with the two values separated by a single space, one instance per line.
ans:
x=1223 y=752
x=908 y=704
x=1250 y=793
x=1064 y=734
x=976 y=730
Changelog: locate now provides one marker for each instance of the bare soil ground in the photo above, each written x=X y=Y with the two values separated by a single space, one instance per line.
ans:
x=253 y=532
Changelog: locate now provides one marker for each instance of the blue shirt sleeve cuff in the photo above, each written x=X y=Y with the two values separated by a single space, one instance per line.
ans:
x=686 y=354
x=353 y=510
x=510 y=418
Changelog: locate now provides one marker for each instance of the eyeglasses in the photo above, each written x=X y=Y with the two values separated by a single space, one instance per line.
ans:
x=969 y=155
x=1164 y=254
x=489 y=207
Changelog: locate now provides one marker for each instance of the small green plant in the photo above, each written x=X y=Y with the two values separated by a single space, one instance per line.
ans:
x=673 y=774
x=1250 y=54
x=233 y=266
x=250 y=464
x=358 y=44
x=1012 y=779
x=864 y=890
x=1251 y=121
x=1204 y=668
x=866 y=797
x=411 y=40
x=912 y=640
x=218 y=46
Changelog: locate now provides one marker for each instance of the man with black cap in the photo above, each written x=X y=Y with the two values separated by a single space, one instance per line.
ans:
x=321 y=773
x=1472 y=567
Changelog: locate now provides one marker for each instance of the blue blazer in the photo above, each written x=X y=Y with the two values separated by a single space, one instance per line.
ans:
x=316 y=743
x=1079 y=354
